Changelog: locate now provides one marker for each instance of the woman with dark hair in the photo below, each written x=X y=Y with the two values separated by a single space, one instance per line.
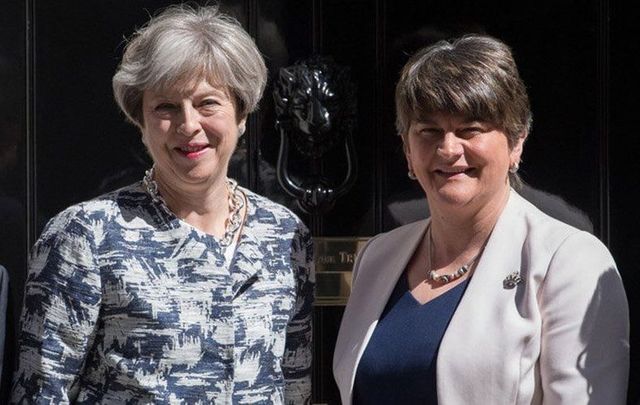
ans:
x=183 y=287
x=488 y=301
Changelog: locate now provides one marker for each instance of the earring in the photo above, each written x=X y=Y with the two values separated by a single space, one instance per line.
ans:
x=241 y=129
x=412 y=175
x=514 y=168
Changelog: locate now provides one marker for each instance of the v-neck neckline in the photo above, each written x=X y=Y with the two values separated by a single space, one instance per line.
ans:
x=415 y=301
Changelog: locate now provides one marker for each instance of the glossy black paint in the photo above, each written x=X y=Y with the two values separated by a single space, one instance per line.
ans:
x=14 y=170
x=624 y=192
x=66 y=141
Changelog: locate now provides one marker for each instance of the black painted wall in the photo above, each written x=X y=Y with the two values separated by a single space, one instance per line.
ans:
x=62 y=139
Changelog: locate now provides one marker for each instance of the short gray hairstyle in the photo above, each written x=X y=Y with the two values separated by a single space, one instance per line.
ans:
x=183 y=44
x=474 y=75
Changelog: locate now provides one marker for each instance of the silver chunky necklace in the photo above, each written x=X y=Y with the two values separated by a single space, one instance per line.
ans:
x=446 y=278
x=236 y=203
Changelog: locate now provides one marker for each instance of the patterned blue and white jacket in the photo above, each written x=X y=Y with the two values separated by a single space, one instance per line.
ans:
x=125 y=303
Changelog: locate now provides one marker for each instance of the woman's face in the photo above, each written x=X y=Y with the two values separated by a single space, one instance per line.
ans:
x=191 y=134
x=460 y=162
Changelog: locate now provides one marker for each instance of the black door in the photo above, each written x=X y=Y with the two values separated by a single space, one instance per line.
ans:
x=62 y=139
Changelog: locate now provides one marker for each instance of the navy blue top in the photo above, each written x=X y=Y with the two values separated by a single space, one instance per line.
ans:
x=399 y=364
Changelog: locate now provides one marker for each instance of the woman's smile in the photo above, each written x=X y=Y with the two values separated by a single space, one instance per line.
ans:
x=193 y=151
x=454 y=173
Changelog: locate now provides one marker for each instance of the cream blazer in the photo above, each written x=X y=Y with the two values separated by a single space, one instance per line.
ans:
x=561 y=336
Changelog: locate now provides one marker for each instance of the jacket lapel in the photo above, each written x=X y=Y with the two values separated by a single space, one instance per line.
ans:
x=378 y=273
x=478 y=320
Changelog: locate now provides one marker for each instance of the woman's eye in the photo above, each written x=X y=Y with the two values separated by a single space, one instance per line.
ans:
x=209 y=102
x=471 y=131
x=208 y=105
x=429 y=132
x=165 y=107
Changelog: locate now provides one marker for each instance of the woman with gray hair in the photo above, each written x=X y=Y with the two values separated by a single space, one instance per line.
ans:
x=488 y=301
x=183 y=287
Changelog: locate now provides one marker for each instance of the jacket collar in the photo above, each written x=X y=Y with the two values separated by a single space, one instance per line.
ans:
x=485 y=300
x=382 y=266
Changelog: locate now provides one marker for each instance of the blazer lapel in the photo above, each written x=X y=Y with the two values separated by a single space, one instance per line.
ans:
x=378 y=272
x=477 y=321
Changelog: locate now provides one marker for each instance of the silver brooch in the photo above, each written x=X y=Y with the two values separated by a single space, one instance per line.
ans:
x=512 y=280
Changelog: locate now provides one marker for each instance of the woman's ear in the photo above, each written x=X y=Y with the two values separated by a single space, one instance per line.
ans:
x=242 y=126
x=516 y=152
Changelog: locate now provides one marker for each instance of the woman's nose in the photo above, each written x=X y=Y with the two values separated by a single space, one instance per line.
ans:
x=190 y=125
x=450 y=146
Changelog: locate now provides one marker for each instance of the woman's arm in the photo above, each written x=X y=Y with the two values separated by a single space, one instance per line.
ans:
x=585 y=326
x=296 y=363
x=61 y=305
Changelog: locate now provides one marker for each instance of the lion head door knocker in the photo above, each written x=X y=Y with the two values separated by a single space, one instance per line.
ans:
x=315 y=105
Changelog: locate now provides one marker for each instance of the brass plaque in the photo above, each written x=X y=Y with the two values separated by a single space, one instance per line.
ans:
x=334 y=259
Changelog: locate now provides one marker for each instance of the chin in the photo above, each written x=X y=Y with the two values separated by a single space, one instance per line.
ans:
x=201 y=170
x=456 y=196
x=454 y=200
x=193 y=176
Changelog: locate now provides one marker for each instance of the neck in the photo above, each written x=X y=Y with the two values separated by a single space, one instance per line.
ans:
x=205 y=208
x=458 y=235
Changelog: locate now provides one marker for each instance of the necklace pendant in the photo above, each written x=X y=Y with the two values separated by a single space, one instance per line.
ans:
x=445 y=278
